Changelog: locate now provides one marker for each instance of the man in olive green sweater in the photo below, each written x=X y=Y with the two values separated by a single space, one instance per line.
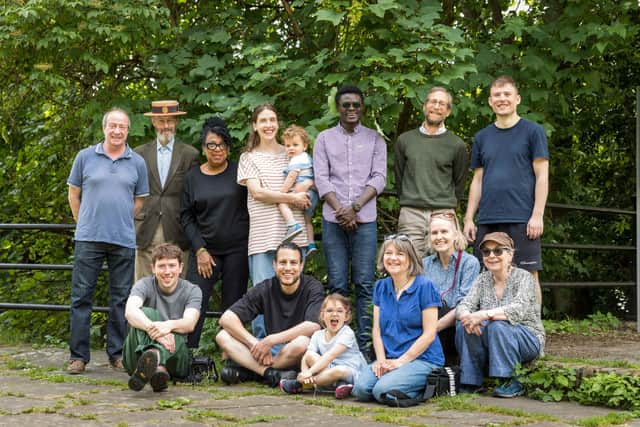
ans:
x=430 y=169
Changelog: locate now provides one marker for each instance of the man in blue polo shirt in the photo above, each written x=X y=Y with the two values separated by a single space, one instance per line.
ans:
x=107 y=184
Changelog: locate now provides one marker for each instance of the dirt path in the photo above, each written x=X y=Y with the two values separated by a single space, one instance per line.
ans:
x=622 y=345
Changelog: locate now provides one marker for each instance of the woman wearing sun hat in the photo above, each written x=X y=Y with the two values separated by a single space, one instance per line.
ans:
x=499 y=321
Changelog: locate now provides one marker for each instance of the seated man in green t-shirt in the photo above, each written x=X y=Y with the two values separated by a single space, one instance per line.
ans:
x=161 y=310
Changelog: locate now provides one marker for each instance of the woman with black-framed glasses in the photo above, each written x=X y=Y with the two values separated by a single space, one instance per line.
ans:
x=499 y=321
x=216 y=221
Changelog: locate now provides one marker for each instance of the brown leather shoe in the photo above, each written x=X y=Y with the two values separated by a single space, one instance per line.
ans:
x=116 y=365
x=76 y=367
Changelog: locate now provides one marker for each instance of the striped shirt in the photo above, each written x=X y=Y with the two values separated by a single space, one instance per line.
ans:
x=266 y=225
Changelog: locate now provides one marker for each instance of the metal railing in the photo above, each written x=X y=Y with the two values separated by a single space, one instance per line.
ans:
x=50 y=267
x=554 y=206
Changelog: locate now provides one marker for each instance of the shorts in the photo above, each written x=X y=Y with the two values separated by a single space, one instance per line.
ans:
x=276 y=348
x=351 y=377
x=313 y=196
x=528 y=253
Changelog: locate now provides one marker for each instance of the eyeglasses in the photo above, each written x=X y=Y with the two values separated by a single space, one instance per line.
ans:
x=213 y=146
x=496 y=251
x=437 y=103
x=347 y=105
x=397 y=236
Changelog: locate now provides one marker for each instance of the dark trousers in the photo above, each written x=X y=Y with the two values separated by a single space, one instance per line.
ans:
x=87 y=264
x=233 y=270
x=448 y=340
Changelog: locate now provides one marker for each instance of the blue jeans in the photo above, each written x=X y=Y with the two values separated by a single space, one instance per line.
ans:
x=314 y=199
x=359 y=248
x=260 y=269
x=87 y=264
x=410 y=379
x=499 y=348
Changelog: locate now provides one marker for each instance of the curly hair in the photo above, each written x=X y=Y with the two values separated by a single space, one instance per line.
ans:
x=216 y=126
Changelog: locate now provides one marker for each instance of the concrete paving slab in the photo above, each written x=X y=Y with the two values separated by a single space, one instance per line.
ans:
x=561 y=410
x=101 y=397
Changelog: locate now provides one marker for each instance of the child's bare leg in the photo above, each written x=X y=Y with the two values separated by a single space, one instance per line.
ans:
x=286 y=213
x=309 y=225
x=332 y=375
x=308 y=360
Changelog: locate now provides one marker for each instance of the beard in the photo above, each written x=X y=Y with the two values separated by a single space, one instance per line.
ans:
x=433 y=123
x=164 y=137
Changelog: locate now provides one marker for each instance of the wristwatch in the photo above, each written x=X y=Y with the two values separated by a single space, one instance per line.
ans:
x=356 y=206
x=491 y=314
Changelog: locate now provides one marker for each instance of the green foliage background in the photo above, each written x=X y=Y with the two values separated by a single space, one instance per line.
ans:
x=66 y=61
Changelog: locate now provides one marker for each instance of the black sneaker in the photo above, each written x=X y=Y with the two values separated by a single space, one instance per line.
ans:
x=237 y=374
x=159 y=381
x=271 y=377
x=145 y=368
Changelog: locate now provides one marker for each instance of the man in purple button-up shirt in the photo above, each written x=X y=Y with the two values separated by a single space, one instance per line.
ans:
x=350 y=167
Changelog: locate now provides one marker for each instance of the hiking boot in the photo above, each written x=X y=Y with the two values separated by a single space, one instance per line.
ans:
x=237 y=374
x=159 y=380
x=292 y=232
x=343 y=391
x=117 y=365
x=511 y=388
x=76 y=367
x=290 y=386
x=145 y=369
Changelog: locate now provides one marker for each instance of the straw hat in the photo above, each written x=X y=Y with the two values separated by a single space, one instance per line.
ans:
x=165 y=108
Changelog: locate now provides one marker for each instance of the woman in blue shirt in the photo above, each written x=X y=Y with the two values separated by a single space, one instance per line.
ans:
x=452 y=271
x=405 y=315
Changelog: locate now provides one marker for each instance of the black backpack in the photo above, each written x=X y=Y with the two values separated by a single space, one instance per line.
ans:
x=440 y=382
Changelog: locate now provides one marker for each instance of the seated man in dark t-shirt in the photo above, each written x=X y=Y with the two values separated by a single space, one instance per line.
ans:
x=161 y=310
x=290 y=303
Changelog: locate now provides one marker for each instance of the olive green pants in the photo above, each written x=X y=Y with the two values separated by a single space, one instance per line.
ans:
x=137 y=341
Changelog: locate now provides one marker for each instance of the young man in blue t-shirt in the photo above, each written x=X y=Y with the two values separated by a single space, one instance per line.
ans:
x=510 y=162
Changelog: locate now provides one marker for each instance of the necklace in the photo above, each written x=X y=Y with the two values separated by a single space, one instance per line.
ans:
x=403 y=287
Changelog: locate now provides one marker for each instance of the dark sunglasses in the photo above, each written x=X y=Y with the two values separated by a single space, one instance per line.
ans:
x=496 y=251
x=213 y=146
x=347 y=105
x=397 y=236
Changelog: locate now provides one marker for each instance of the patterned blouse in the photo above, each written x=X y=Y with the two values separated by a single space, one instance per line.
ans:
x=519 y=301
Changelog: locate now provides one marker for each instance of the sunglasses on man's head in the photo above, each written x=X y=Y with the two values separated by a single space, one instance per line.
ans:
x=347 y=105
x=397 y=236
x=447 y=215
x=496 y=251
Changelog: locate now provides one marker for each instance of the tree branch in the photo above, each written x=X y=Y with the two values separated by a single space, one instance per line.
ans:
x=296 y=28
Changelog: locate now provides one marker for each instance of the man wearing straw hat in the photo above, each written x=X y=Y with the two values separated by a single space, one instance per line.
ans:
x=167 y=163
